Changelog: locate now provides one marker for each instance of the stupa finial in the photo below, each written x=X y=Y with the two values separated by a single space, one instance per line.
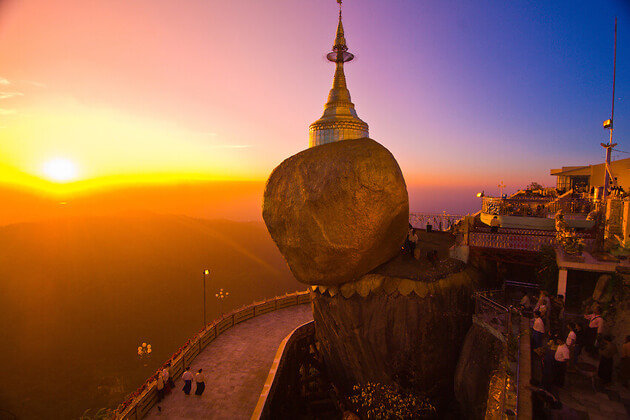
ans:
x=340 y=120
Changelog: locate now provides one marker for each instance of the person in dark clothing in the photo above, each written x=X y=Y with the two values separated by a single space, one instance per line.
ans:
x=561 y=358
x=200 y=380
x=580 y=342
x=548 y=362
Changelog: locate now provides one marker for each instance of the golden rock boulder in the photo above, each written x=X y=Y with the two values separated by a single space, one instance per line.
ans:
x=337 y=211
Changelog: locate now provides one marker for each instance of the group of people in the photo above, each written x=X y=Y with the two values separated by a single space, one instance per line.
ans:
x=165 y=381
x=567 y=340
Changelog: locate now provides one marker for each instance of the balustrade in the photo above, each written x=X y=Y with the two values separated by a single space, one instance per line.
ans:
x=140 y=402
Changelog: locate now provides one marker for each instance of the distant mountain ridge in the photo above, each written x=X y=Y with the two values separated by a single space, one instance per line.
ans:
x=233 y=200
x=81 y=293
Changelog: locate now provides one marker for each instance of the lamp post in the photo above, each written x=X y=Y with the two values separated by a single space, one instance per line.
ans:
x=501 y=186
x=144 y=351
x=608 y=124
x=205 y=273
x=221 y=295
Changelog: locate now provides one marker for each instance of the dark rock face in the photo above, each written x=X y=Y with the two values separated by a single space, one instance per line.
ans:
x=480 y=374
x=384 y=329
x=337 y=211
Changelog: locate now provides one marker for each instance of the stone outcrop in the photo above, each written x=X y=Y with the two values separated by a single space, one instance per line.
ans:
x=337 y=211
x=603 y=292
x=480 y=375
x=386 y=329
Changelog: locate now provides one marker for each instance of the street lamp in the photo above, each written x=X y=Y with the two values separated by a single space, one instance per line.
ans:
x=205 y=273
x=144 y=351
x=221 y=295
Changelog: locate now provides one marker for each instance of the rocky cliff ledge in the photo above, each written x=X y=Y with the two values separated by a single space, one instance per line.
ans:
x=393 y=329
x=481 y=373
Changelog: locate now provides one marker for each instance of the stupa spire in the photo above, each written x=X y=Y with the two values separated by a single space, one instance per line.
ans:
x=340 y=120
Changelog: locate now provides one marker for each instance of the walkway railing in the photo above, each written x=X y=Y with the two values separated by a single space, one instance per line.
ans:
x=519 y=239
x=142 y=400
x=490 y=309
x=281 y=397
x=538 y=206
x=438 y=221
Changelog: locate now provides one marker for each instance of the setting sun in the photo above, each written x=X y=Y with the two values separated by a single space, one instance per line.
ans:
x=60 y=170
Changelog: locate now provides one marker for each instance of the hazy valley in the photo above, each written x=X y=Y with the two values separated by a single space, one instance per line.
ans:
x=80 y=294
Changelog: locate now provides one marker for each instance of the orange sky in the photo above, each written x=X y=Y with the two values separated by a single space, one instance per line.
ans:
x=151 y=91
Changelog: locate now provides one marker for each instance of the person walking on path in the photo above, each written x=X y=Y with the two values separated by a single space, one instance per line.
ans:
x=187 y=377
x=200 y=380
x=167 y=383
x=538 y=331
x=625 y=362
x=169 y=377
x=160 y=387
x=606 y=354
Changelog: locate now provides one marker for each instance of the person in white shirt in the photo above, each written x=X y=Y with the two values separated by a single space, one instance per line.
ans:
x=200 y=380
x=561 y=358
x=538 y=331
x=413 y=241
x=187 y=377
x=571 y=337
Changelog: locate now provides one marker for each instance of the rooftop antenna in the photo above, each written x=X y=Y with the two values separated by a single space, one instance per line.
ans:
x=608 y=124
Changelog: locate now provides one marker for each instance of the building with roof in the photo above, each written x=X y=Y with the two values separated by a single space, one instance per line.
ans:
x=585 y=178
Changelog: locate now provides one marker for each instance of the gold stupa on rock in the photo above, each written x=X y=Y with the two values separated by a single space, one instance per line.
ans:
x=340 y=120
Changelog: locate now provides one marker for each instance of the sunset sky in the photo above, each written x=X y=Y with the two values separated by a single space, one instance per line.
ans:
x=465 y=94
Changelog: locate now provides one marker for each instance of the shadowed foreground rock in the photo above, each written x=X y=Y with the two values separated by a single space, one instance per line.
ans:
x=386 y=329
x=480 y=375
x=337 y=211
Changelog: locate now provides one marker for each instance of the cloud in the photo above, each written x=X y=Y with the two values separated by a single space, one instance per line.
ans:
x=4 y=111
x=8 y=95
x=4 y=81
x=34 y=83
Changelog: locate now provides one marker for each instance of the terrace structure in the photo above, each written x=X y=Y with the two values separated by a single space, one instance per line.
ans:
x=526 y=221
x=235 y=352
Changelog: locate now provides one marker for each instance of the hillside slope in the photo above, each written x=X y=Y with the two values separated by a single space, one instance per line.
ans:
x=79 y=295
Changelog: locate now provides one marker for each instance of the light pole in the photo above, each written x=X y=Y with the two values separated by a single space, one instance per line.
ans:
x=144 y=351
x=501 y=186
x=205 y=273
x=221 y=295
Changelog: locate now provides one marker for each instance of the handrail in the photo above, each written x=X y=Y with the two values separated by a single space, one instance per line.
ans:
x=145 y=396
x=270 y=382
x=487 y=302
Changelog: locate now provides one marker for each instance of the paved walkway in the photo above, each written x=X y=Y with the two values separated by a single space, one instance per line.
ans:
x=236 y=365
x=591 y=399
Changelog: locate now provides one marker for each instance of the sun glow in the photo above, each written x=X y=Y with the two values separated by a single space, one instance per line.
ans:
x=60 y=170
